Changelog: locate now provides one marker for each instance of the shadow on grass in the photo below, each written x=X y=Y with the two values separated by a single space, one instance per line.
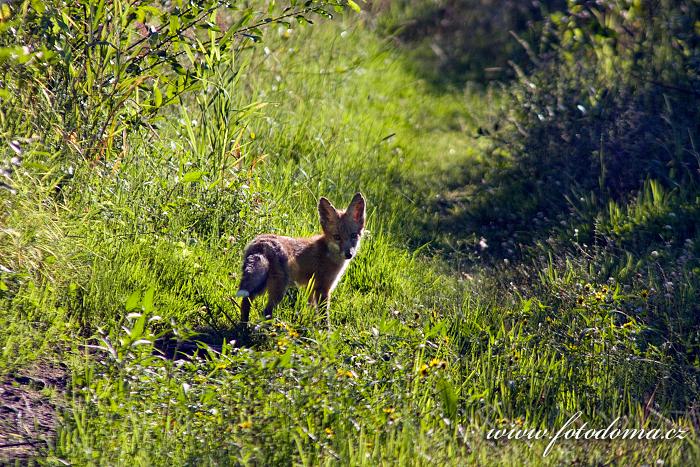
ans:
x=564 y=172
x=453 y=42
x=203 y=339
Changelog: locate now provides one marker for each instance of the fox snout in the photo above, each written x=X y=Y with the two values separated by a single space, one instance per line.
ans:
x=350 y=251
x=344 y=248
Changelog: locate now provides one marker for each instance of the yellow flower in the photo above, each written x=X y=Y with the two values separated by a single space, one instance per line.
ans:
x=389 y=410
x=423 y=370
x=345 y=373
x=438 y=363
x=293 y=334
x=282 y=343
x=245 y=425
x=329 y=432
x=645 y=293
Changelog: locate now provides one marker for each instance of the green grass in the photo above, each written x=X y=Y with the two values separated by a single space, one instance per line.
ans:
x=421 y=361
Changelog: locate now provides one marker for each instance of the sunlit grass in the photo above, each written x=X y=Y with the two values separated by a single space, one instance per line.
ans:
x=420 y=363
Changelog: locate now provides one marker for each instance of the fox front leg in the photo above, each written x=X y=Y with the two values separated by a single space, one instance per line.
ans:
x=321 y=298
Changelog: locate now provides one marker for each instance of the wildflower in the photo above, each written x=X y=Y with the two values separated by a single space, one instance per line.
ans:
x=345 y=373
x=579 y=301
x=645 y=293
x=438 y=363
x=282 y=343
x=293 y=334
x=245 y=425
x=423 y=370
x=329 y=432
x=389 y=410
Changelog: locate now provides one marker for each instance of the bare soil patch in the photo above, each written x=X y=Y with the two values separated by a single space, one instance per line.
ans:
x=29 y=400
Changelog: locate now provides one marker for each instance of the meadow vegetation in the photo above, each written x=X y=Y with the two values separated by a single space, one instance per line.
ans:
x=532 y=248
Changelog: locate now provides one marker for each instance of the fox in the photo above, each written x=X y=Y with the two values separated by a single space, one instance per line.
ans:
x=272 y=262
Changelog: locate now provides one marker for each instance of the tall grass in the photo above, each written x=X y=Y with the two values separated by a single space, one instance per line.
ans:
x=145 y=248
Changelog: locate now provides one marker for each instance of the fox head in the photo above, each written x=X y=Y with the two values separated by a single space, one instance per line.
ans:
x=343 y=229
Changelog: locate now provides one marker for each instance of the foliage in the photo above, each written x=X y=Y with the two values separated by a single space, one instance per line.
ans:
x=594 y=173
x=613 y=106
x=125 y=271
x=458 y=41
x=87 y=73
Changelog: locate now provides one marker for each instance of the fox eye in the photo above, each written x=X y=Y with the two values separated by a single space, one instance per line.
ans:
x=354 y=236
x=336 y=237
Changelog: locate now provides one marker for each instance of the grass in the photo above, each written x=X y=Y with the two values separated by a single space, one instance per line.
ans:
x=145 y=246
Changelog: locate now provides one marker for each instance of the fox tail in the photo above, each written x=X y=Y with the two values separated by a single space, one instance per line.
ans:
x=255 y=270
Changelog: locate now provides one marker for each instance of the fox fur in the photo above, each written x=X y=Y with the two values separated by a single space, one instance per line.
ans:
x=272 y=262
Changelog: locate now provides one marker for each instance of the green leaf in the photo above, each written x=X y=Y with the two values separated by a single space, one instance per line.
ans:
x=138 y=328
x=177 y=68
x=354 y=6
x=448 y=396
x=174 y=24
x=147 y=303
x=157 y=95
x=193 y=176
x=133 y=301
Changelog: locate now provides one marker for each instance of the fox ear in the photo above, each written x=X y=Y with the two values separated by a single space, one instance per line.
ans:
x=326 y=212
x=357 y=209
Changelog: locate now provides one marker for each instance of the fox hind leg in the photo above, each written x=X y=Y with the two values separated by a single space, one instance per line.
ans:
x=245 y=310
x=275 y=294
x=253 y=281
x=277 y=283
x=246 y=304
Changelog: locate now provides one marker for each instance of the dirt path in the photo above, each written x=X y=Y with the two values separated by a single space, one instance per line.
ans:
x=29 y=400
